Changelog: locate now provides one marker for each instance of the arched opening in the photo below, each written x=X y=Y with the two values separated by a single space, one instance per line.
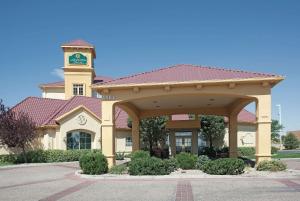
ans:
x=79 y=140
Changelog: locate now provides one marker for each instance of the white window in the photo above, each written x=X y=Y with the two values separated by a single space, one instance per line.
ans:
x=78 y=89
x=128 y=142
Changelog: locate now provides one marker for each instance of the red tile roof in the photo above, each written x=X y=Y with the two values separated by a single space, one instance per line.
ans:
x=78 y=42
x=184 y=73
x=39 y=109
x=44 y=111
x=97 y=79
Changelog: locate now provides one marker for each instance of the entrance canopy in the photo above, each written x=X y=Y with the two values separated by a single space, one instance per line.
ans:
x=188 y=89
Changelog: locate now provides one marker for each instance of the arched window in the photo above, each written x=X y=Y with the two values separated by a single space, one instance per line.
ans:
x=78 y=140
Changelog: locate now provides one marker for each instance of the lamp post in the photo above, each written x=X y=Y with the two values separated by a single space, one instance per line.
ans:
x=279 y=118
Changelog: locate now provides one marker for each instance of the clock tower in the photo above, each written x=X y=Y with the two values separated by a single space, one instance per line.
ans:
x=78 y=68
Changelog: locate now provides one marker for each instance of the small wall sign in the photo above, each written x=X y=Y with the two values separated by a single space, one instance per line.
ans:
x=81 y=120
x=77 y=59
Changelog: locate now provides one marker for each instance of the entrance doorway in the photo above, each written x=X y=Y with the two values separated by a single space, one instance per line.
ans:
x=183 y=141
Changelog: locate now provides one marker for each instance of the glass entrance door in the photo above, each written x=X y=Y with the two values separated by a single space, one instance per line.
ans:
x=183 y=141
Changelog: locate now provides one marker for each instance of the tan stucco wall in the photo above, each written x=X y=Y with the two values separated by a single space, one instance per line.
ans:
x=245 y=137
x=56 y=93
x=121 y=141
x=78 y=74
x=70 y=123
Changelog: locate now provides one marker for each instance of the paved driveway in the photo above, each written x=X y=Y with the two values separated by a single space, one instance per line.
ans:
x=58 y=182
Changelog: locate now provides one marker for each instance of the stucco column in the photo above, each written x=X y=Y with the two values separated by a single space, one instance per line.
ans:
x=195 y=141
x=233 y=136
x=263 y=132
x=108 y=131
x=135 y=134
x=172 y=139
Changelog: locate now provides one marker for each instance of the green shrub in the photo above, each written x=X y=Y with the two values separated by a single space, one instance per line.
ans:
x=274 y=150
x=247 y=152
x=118 y=169
x=201 y=161
x=150 y=166
x=274 y=165
x=290 y=141
x=8 y=158
x=93 y=163
x=46 y=156
x=224 y=166
x=170 y=165
x=186 y=160
x=139 y=154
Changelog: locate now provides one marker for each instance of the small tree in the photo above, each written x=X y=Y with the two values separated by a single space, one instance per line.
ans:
x=290 y=141
x=152 y=131
x=213 y=129
x=17 y=130
x=275 y=130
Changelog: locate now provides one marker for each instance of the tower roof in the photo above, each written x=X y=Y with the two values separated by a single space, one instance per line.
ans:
x=79 y=43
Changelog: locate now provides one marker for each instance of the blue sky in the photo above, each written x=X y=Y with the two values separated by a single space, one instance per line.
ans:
x=136 y=36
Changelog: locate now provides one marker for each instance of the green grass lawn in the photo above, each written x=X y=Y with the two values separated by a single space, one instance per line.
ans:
x=286 y=155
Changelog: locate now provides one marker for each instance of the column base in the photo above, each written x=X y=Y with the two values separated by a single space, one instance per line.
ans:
x=111 y=160
x=259 y=158
x=233 y=154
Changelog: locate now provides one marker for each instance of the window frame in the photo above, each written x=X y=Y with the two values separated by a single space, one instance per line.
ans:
x=78 y=87
x=78 y=140
x=128 y=141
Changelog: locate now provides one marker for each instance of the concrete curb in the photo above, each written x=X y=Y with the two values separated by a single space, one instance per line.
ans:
x=184 y=176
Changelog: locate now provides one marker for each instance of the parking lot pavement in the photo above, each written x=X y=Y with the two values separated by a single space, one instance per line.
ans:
x=292 y=163
x=58 y=182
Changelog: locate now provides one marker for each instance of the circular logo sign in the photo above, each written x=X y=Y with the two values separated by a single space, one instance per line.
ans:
x=81 y=120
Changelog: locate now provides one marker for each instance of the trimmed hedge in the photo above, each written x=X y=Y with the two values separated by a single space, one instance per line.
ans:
x=224 y=166
x=93 y=163
x=274 y=166
x=151 y=166
x=186 y=160
x=45 y=156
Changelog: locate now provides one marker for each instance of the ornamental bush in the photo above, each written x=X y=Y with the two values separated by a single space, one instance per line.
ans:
x=93 y=163
x=224 y=166
x=186 y=160
x=149 y=166
x=139 y=154
x=201 y=161
x=274 y=166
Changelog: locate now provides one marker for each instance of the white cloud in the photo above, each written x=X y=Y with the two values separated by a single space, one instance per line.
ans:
x=58 y=72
